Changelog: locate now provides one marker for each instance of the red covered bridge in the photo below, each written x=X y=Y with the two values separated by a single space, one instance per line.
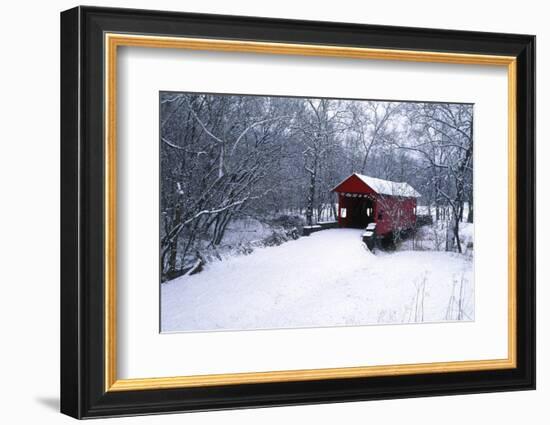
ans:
x=363 y=200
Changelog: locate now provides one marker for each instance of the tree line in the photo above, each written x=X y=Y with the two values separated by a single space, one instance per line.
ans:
x=231 y=156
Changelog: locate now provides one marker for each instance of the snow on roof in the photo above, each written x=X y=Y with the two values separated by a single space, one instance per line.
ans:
x=387 y=187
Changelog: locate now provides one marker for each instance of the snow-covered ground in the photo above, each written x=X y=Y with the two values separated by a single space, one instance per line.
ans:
x=326 y=279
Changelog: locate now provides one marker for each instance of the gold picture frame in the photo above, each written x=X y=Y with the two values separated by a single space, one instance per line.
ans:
x=114 y=41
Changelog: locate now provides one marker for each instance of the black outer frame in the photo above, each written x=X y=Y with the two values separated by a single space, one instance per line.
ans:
x=82 y=219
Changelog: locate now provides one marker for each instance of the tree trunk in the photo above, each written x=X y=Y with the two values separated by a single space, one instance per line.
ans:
x=456 y=229
x=221 y=226
x=311 y=195
x=471 y=210
x=174 y=244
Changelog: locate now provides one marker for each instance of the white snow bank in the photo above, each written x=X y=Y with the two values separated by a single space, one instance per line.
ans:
x=327 y=279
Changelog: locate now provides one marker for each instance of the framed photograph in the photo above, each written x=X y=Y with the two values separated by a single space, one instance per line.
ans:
x=261 y=212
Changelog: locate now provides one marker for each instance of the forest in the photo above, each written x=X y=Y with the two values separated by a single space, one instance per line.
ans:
x=226 y=159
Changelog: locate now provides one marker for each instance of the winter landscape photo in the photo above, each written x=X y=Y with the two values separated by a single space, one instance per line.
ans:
x=292 y=212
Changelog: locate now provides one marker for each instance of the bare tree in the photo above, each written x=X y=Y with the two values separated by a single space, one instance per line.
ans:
x=319 y=125
x=444 y=139
x=234 y=141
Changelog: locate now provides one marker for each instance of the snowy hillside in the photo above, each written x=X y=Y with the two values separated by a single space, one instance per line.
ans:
x=327 y=279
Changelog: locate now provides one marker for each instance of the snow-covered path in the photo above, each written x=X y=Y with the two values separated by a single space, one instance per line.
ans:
x=326 y=279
